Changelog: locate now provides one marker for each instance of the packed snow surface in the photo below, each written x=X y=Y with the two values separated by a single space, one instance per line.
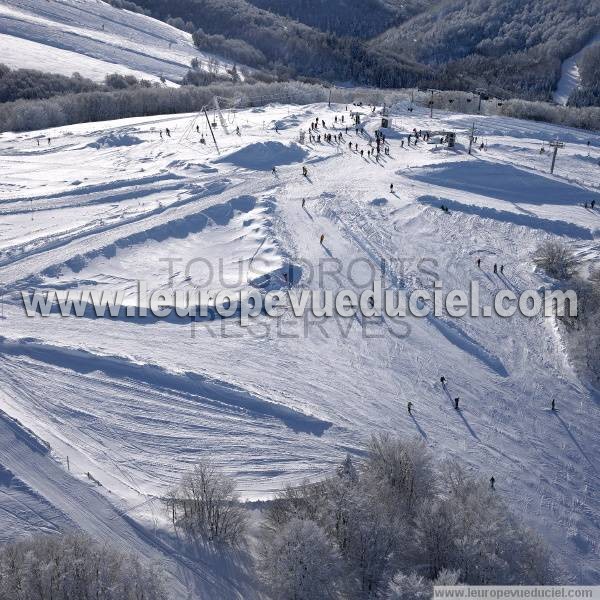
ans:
x=94 y=39
x=136 y=402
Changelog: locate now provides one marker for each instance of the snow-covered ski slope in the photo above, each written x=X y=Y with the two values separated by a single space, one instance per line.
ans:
x=136 y=402
x=92 y=38
x=569 y=73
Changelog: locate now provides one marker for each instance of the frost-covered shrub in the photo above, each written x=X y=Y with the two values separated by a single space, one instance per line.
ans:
x=299 y=563
x=72 y=567
x=402 y=469
x=557 y=260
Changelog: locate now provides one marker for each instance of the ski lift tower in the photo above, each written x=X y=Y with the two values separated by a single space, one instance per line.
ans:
x=483 y=95
x=556 y=145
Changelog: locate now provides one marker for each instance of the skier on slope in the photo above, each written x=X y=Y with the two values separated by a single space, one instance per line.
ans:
x=479 y=263
x=443 y=381
x=456 y=400
x=492 y=482
x=409 y=406
x=322 y=238
x=304 y=171
x=391 y=188
x=495 y=268
x=168 y=132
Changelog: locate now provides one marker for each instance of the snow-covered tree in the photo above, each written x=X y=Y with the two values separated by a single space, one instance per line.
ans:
x=299 y=563
x=415 y=587
x=72 y=567
x=371 y=542
x=429 y=524
x=402 y=470
x=409 y=587
x=205 y=505
x=446 y=577
x=347 y=470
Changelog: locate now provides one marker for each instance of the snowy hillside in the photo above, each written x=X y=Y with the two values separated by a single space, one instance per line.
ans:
x=569 y=75
x=92 y=38
x=135 y=402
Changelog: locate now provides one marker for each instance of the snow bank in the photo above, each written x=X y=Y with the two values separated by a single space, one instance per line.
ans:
x=263 y=156
x=115 y=140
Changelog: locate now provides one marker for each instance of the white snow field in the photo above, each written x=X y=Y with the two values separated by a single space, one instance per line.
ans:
x=569 y=73
x=136 y=402
x=94 y=39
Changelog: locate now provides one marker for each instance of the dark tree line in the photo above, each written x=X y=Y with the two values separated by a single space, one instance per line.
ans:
x=29 y=84
x=35 y=85
x=137 y=101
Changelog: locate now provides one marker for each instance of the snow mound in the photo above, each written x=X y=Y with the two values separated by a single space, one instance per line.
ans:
x=288 y=122
x=115 y=140
x=265 y=155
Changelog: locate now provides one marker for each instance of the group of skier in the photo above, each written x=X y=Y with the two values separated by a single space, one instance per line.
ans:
x=496 y=270
x=456 y=407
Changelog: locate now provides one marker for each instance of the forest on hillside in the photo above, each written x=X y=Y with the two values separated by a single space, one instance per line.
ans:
x=508 y=47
